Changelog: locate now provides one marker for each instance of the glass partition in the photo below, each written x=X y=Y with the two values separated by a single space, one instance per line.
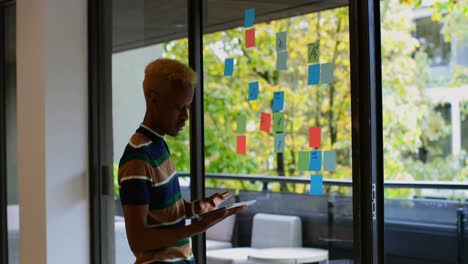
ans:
x=425 y=92
x=142 y=31
x=278 y=129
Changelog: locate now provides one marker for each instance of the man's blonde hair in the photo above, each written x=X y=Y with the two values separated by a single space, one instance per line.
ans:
x=162 y=73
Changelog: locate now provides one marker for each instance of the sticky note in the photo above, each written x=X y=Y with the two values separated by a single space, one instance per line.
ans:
x=253 y=91
x=228 y=66
x=249 y=17
x=313 y=74
x=281 y=43
x=278 y=101
x=241 y=144
x=250 y=38
x=241 y=124
x=315 y=160
x=313 y=52
x=316 y=184
x=329 y=160
x=279 y=143
x=315 y=137
x=326 y=73
x=265 y=122
x=281 y=60
x=278 y=121
x=303 y=161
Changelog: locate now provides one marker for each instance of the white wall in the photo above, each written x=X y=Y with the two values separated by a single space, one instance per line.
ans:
x=52 y=116
x=128 y=101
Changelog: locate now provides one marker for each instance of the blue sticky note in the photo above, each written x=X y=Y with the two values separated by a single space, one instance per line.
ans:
x=279 y=142
x=228 y=66
x=329 y=160
x=316 y=184
x=253 y=91
x=314 y=74
x=281 y=60
x=326 y=72
x=278 y=101
x=315 y=160
x=281 y=41
x=249 y=17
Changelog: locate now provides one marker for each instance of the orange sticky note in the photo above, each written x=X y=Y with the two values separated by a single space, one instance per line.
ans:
x=265 y=122
x=315 y=137
x=241 y=144
x=250 y=38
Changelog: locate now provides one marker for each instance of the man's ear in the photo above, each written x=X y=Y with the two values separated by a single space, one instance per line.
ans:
x=155 y=98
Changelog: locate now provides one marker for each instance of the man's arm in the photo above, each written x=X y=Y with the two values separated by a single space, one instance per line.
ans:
x=142 y=238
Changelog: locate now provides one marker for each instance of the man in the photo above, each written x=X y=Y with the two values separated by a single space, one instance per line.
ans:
x=153 y=208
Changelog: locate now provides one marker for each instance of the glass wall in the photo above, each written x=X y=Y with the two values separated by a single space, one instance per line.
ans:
x=278 y=128
x=11 y=148
x=141 y=34
x=425 y=92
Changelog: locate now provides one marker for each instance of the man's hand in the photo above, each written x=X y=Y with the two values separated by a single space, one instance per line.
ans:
x=211 y=202
x=217 y=217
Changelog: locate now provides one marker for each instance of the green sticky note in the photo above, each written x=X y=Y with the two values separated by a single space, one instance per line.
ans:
x=241 y=124
x=313 y=53
x=303 y=163
x=278 y=121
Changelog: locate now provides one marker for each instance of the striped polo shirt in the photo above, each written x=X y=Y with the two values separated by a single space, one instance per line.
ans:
x=147 y=175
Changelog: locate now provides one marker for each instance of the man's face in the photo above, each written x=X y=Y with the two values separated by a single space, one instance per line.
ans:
x=172 y=109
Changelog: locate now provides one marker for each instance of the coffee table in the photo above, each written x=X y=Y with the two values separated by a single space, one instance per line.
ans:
x=289 y=255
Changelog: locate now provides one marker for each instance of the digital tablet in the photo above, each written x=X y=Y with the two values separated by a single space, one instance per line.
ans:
x=230 y=206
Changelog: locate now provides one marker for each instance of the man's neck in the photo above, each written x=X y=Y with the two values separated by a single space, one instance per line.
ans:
x=152 y=126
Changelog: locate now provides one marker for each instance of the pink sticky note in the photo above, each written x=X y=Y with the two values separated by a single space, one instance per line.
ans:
x=265 y=122
x=315 y=137
x=250 y=38
x=241 y=144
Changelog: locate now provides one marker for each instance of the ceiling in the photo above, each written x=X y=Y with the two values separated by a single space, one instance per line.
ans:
x=140 y=23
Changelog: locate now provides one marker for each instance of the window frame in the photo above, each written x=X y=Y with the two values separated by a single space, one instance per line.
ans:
x=366 y=108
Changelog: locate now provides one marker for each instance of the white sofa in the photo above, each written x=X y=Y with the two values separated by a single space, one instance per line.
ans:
x=268 y=230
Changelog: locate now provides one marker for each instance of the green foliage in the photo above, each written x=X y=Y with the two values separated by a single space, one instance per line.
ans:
x=410 y=123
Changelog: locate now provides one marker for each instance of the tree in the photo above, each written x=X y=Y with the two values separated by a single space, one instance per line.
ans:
x=410 y=122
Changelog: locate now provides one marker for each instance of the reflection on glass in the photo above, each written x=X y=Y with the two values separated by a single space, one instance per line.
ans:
x=425 y=88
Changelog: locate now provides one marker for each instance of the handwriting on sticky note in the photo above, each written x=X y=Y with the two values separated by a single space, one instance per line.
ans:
x=279 y=143
x=278 y=121
x=315 y=137
x=228 y=66
x=281 y=43
x=316 y=184
x=249 y=17
x=313 y=74
x=253 y=91
x=326 y=73
x=313 y=52
x=241 y=144
x=250 y=38
x=265 y=122
x=241 y=124
x=315 y=160
x=278 y=101
x=303 y=161
x=282 y=60
x=329 y=160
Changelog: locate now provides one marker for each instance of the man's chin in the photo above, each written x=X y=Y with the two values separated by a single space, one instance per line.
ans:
x=174 y=133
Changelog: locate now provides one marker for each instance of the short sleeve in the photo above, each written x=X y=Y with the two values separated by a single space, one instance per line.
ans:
x=135 y=182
